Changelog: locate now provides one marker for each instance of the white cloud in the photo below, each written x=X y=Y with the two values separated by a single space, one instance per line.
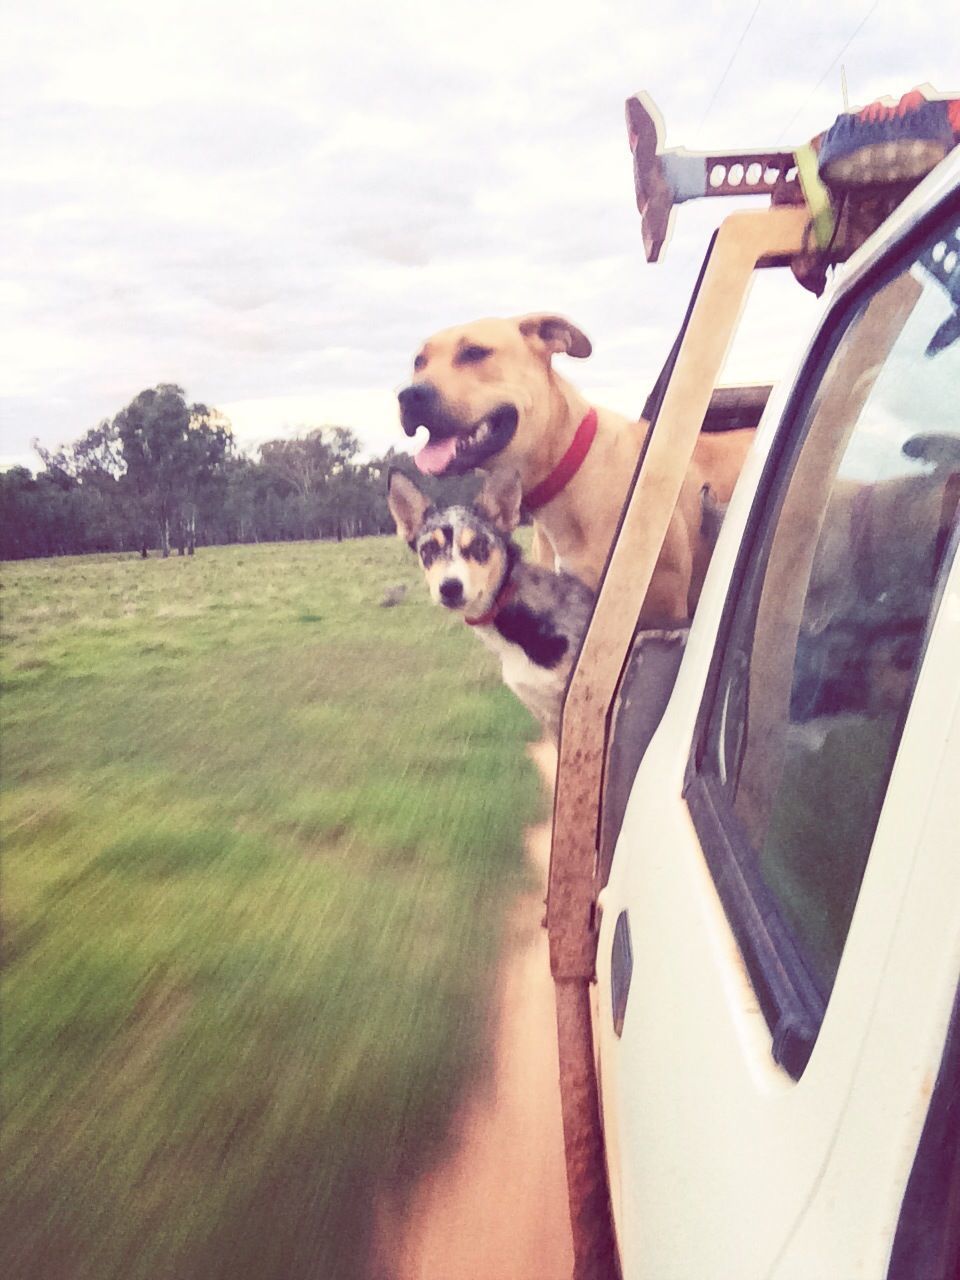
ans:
x=372 y=412
x=273 y=203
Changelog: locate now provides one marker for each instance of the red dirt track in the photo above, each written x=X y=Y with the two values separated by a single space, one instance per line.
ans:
x=496 y=1207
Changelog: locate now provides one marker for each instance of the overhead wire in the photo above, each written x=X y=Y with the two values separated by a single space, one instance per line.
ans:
x=733 y=58
x=859 y=27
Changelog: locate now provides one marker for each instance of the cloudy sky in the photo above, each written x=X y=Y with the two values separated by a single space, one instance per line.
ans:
x=273 y=203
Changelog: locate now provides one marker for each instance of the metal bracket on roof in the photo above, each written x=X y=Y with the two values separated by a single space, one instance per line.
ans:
x=663 y=179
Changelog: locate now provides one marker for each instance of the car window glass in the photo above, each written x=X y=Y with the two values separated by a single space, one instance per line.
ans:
x=822 y=652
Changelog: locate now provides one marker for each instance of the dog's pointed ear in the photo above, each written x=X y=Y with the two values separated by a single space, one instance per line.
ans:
x=499 y=500
x=556 y=334
x=407 y=504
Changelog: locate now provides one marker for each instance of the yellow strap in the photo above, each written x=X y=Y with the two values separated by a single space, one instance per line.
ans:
x=816 y=194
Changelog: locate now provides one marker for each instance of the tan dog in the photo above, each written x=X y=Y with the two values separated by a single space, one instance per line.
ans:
x=490 y=398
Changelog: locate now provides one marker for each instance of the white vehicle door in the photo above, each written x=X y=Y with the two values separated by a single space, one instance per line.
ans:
x=779 y=949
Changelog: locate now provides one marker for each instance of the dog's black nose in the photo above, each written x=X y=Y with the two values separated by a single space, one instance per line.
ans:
x=451 y=592
x=417 y=406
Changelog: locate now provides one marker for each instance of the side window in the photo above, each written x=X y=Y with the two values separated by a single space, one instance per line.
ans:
x=821 y=652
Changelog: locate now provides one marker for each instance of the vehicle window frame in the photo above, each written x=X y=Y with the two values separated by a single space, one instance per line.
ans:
x=793 y=1002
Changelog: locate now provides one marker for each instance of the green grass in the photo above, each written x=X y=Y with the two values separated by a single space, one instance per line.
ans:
x=258 y=837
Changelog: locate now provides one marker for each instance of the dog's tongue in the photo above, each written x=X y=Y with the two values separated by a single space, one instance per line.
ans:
x=434 y=458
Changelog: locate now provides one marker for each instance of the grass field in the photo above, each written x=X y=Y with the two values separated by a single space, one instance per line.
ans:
x=258 y=834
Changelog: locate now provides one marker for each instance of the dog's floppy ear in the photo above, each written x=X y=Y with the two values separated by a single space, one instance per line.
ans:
x=557 y=335
x=499 y=500
x=407 y=504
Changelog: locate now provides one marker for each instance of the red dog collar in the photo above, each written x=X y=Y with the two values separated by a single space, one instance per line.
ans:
x=566 y=468
x=504 y=596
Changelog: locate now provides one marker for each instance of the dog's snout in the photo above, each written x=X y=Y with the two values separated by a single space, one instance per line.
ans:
x=451 y=592
x=417 y=404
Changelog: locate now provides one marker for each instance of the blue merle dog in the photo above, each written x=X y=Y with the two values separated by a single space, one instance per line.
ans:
x=532 y=618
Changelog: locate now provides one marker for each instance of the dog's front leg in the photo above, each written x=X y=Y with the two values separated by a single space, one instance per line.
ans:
x=667 y=602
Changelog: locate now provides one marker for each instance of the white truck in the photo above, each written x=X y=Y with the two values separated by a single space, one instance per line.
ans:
x=754 y=897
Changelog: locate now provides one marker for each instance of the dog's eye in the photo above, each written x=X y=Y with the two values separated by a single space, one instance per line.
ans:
x=479 y=549
x=473 y=355
x=428 y=553
x=419 y=363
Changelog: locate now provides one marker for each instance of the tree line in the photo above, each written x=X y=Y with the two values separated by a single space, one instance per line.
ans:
x=165 y=475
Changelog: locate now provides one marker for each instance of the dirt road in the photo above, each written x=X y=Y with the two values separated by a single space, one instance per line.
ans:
x=496 y=1207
